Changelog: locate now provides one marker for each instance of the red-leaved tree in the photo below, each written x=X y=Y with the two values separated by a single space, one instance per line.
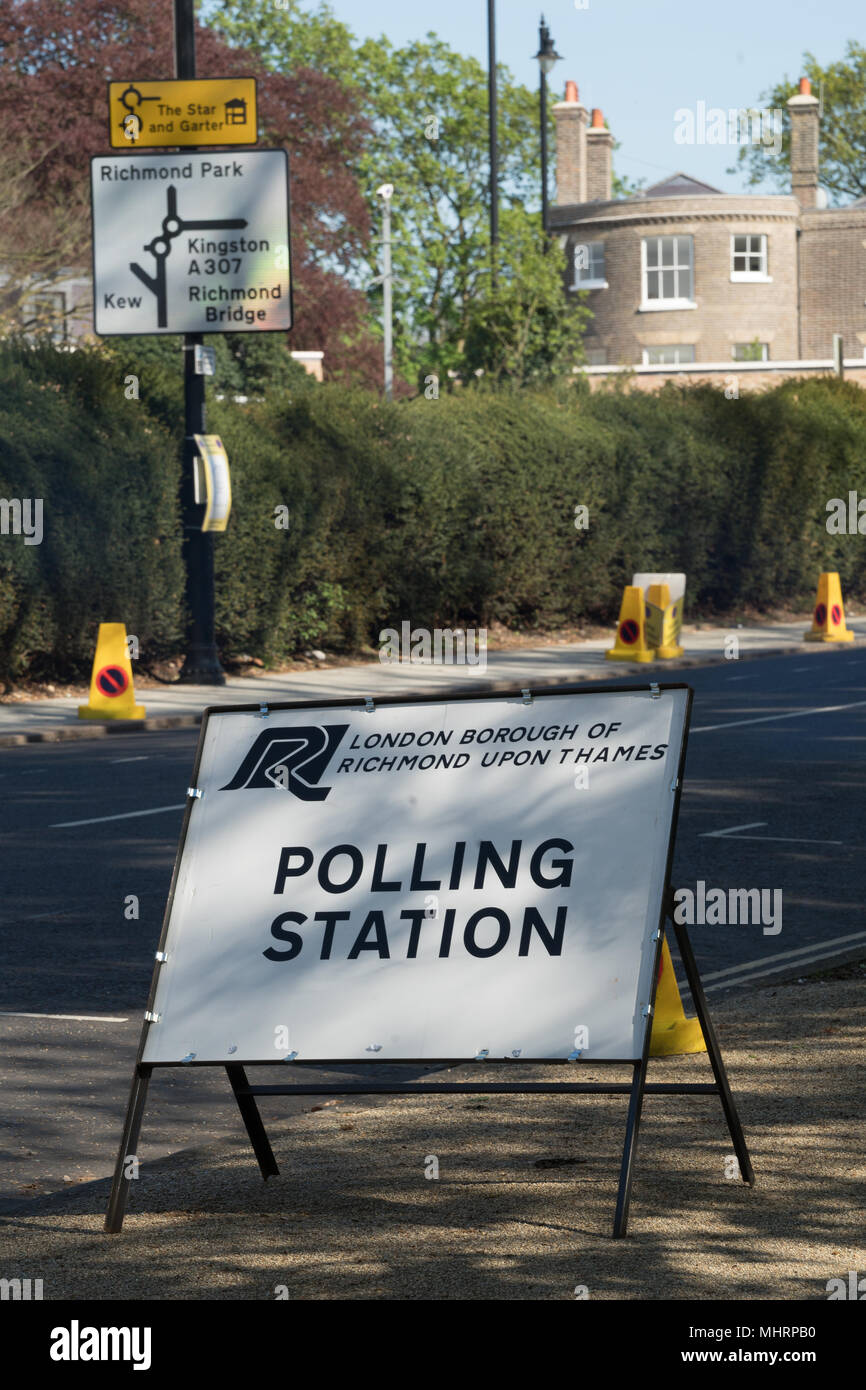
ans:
x=56 y=57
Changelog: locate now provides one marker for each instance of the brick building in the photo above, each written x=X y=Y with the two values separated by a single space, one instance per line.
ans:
x=685 y=277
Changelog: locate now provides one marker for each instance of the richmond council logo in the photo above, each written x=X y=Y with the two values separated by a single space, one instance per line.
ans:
x=294 y=759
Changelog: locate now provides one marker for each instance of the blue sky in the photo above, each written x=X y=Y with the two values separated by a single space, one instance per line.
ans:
x=639 y=62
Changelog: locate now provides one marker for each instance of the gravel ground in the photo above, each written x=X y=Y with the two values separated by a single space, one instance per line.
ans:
x=523 y=1205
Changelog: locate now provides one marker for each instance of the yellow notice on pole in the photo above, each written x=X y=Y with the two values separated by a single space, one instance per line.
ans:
x=212 y=111
x=213 y=484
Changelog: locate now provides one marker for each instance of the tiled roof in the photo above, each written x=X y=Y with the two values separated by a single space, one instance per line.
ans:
x=677 y=186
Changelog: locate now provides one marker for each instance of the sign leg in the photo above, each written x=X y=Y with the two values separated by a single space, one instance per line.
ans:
x=635 y=1105
x=735 y=1129
x=126 y=1167
x=253 y=1121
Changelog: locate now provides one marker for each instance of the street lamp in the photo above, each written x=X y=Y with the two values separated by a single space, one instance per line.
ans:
x=386 y=193
x=547 y=57
x=492 y=132
x=201 y=665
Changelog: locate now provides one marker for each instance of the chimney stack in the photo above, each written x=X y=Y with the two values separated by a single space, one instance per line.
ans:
x=599 y=172
x=571 y=171
x=804 y=145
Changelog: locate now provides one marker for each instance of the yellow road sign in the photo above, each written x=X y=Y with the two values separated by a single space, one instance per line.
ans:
x=213 y=111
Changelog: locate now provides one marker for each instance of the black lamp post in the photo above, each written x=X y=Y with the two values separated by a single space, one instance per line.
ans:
x=492 y=107
x=202 y=664
x=547 y=57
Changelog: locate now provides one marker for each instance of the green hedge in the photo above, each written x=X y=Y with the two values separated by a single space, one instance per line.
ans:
x=453 y=511
x=106 y=472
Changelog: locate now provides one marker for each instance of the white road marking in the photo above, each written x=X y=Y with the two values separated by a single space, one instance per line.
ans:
x=825 y=946
x=37 y=917
x=767 y=718
x=127 y=815
x=771 y=970
x=763 y=839
x=740 y=678
x=719 y=834
x=142 y=758
x=786 y=840
x=75 y=1018
x=754 y=969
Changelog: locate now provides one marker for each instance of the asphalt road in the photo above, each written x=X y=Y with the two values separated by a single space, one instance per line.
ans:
x=772 y=799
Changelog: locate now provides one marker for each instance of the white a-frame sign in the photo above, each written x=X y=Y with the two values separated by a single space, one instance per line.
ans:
x=478 y=878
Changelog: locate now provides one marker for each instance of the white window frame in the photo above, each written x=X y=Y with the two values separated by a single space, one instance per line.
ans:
x=675 y=347
x=755 y=277
x=765 y=358
x=600 y=282
x=60 y=318
x=648 y=305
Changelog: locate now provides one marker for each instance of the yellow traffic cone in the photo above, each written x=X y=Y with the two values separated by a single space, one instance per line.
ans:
x=672 y=1032
x=630 y=644
x=111 y=691
x=663 y=621
x=828 y=620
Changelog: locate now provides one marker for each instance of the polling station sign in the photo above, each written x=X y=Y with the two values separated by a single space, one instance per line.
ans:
x=191 y=242
x=430 y=878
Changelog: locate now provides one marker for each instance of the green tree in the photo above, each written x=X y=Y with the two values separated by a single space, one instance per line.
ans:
x=427 y=106
x=524 y=327
x=291 y=34
x=841 y=88
x=258 y=365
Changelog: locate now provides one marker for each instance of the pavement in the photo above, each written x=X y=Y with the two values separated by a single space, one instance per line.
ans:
x=523 y=1204
x=180 y=705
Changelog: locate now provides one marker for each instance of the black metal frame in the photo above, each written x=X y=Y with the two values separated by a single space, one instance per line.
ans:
x=245 y=1094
